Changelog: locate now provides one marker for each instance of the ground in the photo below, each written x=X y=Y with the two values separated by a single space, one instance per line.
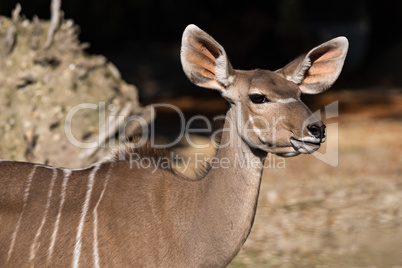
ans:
x=313 y=215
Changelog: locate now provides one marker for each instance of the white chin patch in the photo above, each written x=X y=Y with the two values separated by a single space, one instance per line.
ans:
x=288 y=154
x=305 y=146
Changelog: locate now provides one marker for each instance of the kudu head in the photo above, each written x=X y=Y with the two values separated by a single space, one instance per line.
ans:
x=267 y=105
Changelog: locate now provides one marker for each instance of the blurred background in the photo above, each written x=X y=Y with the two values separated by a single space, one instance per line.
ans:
x=143 y=37
x=310 y=214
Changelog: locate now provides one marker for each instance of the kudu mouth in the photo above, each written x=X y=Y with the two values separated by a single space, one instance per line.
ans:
x=312 y=143
x=307 y=145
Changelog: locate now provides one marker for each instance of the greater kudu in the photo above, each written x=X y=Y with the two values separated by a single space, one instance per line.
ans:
x=113 y=216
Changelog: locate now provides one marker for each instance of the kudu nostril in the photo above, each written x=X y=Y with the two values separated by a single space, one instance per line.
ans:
x=317 y=131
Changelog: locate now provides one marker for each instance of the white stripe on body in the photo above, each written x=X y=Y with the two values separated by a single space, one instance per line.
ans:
x=35 y=246
x=95 y=212
x=25 y=199
x=67 y=174
x=78 y=242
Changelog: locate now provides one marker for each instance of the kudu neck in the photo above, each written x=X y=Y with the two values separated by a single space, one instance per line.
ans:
x=227 y=207
x=234 y=148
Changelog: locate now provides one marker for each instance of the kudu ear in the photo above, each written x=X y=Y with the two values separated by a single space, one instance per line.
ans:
x=204 y=60
x=316 y=71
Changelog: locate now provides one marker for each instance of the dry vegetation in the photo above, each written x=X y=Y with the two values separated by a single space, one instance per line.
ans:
x=44 y=74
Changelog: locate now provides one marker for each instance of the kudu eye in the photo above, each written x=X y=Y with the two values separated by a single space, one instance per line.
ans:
x=258 y=98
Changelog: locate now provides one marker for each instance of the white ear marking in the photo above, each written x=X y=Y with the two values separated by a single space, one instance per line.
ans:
x=230 y=95
x=299 y=75
x=221 y=71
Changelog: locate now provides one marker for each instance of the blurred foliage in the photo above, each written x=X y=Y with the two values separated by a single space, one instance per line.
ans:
x=44 y=74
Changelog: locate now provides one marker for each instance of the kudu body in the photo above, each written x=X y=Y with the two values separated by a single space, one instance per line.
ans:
x=115 y=216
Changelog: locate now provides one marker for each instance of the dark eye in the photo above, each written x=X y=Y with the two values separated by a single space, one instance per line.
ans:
x=258 y=98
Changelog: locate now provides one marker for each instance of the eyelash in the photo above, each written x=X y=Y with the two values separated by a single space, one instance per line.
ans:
x=258 y=98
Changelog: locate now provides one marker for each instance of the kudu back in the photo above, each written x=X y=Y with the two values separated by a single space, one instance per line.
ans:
x=113 y=214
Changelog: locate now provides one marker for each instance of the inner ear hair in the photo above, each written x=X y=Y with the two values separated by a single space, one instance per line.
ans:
x=204 y=60
x=317 y=70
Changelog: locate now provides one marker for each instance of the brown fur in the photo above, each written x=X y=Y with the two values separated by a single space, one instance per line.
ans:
x=124 y=151
x=113 y=214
